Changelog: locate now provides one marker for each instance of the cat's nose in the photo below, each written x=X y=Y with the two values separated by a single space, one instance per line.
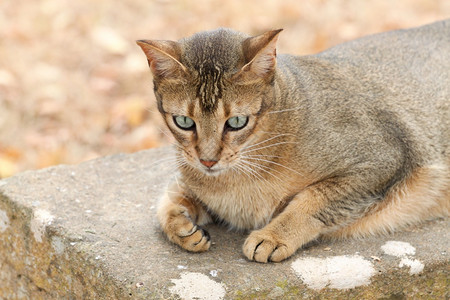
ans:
x=208 y=163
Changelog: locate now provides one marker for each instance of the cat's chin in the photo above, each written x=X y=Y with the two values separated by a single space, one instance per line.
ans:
x=212 y=172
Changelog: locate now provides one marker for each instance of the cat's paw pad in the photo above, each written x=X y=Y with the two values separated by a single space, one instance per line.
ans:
x=189 y=236
x=263 y=248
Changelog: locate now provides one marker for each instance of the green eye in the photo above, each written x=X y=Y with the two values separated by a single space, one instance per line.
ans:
x=238 y=122
x=184 y=122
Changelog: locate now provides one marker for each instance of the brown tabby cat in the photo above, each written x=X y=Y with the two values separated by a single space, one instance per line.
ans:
x=349 y=142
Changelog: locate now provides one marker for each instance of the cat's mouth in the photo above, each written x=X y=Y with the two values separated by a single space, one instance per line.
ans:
x=212 y=172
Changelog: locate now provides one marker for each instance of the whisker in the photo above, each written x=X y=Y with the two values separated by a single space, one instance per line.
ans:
x=251 y=171
x=275 y=163
x=248 y=168
x=170 y=138
x=240 y=169
x=271 y=132
x=165 y=160
x=163 y=132
x=154 y=111
x=177 y=182
x=263 y=169
x=268 y=146
x=262 y=155
x=272 y=184
x=264 y=141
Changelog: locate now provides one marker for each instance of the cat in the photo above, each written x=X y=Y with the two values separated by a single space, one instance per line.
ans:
x=349 y=142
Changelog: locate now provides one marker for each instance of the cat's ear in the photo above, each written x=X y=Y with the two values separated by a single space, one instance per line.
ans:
x=163 y=58
x=260 y=56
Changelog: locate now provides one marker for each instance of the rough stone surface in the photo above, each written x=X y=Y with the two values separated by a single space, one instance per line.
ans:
x=89 y=231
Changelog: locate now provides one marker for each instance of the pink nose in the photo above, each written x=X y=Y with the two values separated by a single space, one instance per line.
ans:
x=208 y=163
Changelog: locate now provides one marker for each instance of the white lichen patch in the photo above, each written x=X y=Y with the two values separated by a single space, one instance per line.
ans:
x=4 y=221
x=415 y=265
x=58 y=245
x=197 y=286
x=403 y=250
x=42 y=218
x=399 y=249
x=338 y=272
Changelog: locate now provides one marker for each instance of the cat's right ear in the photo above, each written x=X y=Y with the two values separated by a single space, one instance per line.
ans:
x=260 y=57
x=163 y=58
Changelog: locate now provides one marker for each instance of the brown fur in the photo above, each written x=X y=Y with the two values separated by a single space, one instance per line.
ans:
x=421 y=196
x=349 y=142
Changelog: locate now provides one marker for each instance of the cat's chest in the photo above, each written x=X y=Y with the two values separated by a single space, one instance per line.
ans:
x=243 y=205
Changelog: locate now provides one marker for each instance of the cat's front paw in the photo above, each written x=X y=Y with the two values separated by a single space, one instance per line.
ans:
x=183 y=232
x=264 y=246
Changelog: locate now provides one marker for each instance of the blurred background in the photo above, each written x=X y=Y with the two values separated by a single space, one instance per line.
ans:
x=74 y=85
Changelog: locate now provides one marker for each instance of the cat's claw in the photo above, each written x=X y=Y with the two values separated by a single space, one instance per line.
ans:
x=263 y=248
x=195 y=240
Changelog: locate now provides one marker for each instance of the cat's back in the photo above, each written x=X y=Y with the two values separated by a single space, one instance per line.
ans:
x=405 y=72
x=421 y=53
x=402 y=58
x=399 y=59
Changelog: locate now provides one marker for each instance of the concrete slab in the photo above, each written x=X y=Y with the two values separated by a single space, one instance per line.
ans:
x=89 y=231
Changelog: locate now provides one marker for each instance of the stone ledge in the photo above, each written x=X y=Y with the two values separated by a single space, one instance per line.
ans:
x=89 y=231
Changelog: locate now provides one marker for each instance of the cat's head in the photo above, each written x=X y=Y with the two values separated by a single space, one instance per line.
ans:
x=213 y=90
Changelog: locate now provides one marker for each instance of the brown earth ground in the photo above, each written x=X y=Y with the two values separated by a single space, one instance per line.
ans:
x=74 y=85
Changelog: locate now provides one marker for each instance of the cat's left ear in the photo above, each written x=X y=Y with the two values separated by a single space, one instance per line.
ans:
x=260 y=56
x=163 y=58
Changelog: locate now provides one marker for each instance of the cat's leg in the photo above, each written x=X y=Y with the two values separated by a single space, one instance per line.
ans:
x=286 y=233
x=425 y=194
x=316 y=210
x=180 y=218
